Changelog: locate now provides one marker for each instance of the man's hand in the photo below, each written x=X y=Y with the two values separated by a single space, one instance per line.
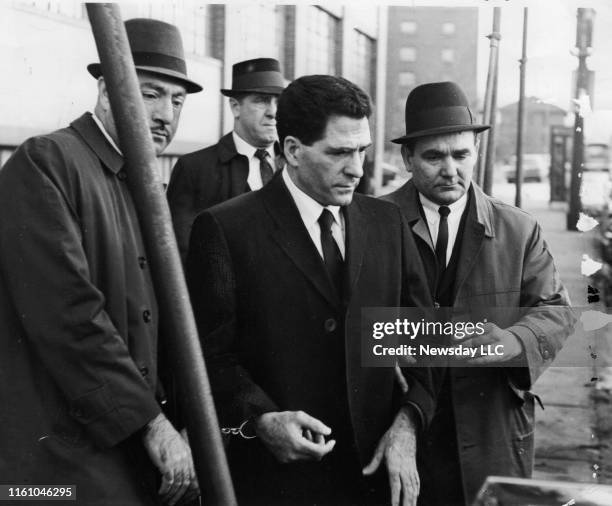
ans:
x=494 y=336
x=171 y=454
x=398 y=449
x=294 y=435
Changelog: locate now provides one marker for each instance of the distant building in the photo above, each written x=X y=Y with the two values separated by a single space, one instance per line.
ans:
x=46 y=45
x=427 y=44
x=539 y=116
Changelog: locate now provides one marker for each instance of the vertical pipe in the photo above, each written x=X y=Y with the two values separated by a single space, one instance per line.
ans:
x=489 y=157
x=520 y=125
x=488 y=110
x=381 y=96
x=154 y=216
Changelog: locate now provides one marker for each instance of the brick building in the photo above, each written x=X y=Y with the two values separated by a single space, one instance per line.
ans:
x=427 y=44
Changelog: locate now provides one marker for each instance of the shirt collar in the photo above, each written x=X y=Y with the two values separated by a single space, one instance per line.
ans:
x=106 y=134
x=310 y=210
x=456 y=208
x=244 y=148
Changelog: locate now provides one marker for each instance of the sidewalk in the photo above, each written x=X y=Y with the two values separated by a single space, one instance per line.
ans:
x=572 y=432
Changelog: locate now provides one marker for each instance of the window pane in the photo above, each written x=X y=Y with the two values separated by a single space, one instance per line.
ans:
x=408 y=26
x=407 y=54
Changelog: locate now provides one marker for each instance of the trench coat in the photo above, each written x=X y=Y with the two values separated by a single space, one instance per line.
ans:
x=78 y=321
x=277 y=336
x=504 y=262
x=203 y=179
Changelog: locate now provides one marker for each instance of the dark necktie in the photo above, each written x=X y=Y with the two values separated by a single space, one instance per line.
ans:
x=264 y=167
x=331 y=253
x=442 y=242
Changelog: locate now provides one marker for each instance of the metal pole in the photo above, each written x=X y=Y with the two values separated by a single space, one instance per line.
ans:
x=583 y=46
x=489 y=160
x=520 y=126
x=154 y=216
x=488 y=114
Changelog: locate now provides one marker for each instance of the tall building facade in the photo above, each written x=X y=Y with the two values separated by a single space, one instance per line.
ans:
x=46 y=45
x=427 y=44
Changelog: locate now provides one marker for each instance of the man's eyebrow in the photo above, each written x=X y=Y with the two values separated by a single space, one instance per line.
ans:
x=160 y=89
x=348 y=148
x=464 y=151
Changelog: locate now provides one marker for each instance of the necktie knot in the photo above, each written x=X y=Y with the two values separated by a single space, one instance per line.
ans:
x=262 y=154
x=326 y=220
x=444 y=211
x=265 y=169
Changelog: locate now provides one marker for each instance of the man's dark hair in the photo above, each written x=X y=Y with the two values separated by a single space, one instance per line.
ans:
x=305 y=106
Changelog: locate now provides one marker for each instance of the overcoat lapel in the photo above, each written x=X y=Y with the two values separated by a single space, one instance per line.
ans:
x=356 y=239
x=478 y=226
x=238 y=165
x=293 y=238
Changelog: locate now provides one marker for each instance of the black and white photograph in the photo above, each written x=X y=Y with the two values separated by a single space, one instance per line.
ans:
x=344 y=253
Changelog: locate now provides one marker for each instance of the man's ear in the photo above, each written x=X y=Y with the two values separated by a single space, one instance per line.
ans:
x=234 y=104
x=103 y=99
x=407 y=157
x=292 y=147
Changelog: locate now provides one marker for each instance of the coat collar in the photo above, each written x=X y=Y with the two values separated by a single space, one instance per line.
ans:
x=92 y=135
x=407 y=198
x=292 y=236
x=227 y=150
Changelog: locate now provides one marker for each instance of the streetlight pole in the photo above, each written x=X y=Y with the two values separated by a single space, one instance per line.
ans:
x=584 y=34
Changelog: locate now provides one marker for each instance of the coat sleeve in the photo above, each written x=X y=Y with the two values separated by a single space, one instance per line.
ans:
x=61 y=313
x=547 y=319
x=212 y=286
x=182 y=200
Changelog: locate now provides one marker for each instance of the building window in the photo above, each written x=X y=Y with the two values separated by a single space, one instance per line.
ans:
x=362 y=70
x=448 y=55
x=323 y=50
x=408 y=26
x=448 y=28
x=407 y=78
x=407 y=54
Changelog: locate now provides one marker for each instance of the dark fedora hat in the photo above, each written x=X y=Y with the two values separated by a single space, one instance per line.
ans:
x=437 y=108
x=261 y=75
x=157 y=48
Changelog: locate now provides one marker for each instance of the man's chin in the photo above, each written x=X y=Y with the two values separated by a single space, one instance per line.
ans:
x=445 y=197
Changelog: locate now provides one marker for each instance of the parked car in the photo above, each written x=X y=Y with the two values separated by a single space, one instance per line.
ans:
x=535 y=168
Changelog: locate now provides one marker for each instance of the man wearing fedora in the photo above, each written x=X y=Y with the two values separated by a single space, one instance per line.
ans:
x=243 y=160
x=78 y=313
x=478 y=253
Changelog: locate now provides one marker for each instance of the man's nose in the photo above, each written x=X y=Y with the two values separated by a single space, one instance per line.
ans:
x=271 y=107
x=164 y=110
x=448 y=167
x=354 y=166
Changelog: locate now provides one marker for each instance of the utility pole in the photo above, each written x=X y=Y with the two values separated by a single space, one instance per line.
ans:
x=520 y=124
x=584 y=37
x=487 y=143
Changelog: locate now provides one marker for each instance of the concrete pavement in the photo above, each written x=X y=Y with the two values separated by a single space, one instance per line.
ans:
x=572 y=432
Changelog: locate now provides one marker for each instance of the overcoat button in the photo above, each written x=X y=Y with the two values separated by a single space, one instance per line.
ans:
x=144 y=371
x=146 y=315
x=122 y=175
x=330 y=325
x=142 y=261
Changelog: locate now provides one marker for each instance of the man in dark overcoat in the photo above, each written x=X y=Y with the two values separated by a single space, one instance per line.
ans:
x=78 y=314
x=479 y=254
x=278 y=278
x=243 y=160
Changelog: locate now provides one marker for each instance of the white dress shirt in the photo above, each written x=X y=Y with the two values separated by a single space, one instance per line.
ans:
x=244 y=148
x=310 y=211
x=454 y=219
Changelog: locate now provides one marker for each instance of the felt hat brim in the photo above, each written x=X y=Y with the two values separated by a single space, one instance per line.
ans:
x=95 y=69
